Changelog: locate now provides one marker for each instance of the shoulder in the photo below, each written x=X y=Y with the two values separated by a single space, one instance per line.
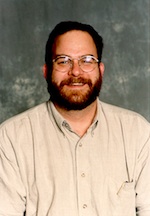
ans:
x=29 y=115
x=131 y=126
x=115 y=110
x=125 y=116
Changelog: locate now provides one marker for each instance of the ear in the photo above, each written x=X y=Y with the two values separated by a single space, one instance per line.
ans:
x=101 y=68
x=45 y=71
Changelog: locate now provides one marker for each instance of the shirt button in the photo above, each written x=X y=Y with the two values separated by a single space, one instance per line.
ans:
x=80 y=145
x=83 y=174
x=84 y=206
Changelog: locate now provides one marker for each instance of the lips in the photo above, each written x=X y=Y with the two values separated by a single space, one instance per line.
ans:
x=75 y=82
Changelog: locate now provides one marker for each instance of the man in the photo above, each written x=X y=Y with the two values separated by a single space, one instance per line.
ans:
x=75 y=155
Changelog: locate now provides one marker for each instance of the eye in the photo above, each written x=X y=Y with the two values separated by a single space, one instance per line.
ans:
x=87 y=60
x=63 y=60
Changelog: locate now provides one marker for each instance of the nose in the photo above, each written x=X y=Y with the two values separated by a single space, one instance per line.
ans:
x=75 y=69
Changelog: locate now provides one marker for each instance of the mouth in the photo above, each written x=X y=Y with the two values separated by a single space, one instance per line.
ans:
x=77 y=84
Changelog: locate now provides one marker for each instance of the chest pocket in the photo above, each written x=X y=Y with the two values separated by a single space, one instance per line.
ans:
x=121 y=198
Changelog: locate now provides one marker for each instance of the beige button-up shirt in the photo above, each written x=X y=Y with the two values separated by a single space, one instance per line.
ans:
x=48 y=170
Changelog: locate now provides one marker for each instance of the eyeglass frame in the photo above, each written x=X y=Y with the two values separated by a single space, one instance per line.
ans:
x=71 y=61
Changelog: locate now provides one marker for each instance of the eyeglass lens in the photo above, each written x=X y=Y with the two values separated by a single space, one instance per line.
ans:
x=65 y=63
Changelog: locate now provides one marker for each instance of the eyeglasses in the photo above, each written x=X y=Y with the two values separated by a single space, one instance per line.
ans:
x=64 y=63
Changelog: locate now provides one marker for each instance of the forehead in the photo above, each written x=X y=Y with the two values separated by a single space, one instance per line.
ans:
x=74 y=43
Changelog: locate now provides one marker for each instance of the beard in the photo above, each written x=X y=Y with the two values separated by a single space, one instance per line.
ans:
x=74 y=99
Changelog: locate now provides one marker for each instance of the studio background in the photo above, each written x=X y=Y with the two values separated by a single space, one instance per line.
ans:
x=24 y=29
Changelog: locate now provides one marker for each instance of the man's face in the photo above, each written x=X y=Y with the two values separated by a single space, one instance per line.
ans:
x=75 y=89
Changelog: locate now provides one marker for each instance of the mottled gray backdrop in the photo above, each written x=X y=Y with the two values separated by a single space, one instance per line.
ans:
x=24 y=29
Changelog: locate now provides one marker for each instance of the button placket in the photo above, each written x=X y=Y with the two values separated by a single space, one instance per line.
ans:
x=84 y=206
x=82 y=177
x=80 y=144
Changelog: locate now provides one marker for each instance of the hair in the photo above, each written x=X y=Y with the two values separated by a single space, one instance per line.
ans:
x=62 y=28
x=66 y=26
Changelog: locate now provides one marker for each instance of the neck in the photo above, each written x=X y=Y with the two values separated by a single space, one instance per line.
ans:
x=79 y=120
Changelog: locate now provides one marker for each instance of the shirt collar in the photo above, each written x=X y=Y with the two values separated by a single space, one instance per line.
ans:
x=61 y=122
x=57 y=116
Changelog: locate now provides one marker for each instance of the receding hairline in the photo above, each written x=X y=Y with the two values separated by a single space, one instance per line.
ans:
x=67 y=26
x=73 y=30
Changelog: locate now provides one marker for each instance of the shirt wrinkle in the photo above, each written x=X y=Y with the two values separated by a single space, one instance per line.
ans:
x=103 y=173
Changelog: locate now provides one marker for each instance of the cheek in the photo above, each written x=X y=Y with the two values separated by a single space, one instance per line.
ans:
x=57 y=77
x=95 y=77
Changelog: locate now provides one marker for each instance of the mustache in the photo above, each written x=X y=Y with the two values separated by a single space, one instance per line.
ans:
x=73 y=80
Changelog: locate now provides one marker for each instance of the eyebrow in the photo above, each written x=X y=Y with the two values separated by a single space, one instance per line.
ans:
x=58 y=55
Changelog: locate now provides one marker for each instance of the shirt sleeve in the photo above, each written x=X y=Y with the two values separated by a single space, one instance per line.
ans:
x=12 y=192
x=143 y=178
